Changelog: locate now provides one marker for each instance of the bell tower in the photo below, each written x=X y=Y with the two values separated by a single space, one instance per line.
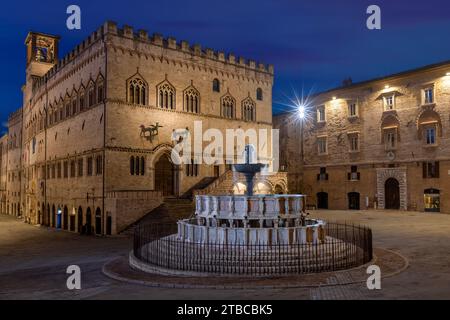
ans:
x=42 y=53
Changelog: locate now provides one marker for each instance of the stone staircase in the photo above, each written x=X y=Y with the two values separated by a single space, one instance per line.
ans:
x=202 y=184
x=221 y=185
x=170 y=211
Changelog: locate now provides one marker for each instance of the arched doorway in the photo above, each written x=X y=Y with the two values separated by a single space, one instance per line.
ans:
x=322 y=200
x=353 y=200
x=80 y=220
x=48 y=215
x=88 y=221
x=44 y=215
x=278 y=189
x=165 y=176
x=108 y=225
x=58 y=218
x=65 y=218
x=262 y=188
x=98 y=221
x=239 y=188
x=72 y=220
x=54 y=216
x=392 y=194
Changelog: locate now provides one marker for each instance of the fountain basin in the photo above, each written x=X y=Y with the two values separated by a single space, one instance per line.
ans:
x=190 y=231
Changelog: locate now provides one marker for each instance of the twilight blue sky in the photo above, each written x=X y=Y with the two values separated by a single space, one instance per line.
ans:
x=313 y=44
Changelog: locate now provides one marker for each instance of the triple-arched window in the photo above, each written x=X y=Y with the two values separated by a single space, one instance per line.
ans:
x=137 y=90
x=166 y=96
x=137 y=166
x=228 y=107
x=191 y=100
x=248 y=110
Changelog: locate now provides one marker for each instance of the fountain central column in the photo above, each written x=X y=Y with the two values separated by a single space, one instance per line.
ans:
x=249 y=181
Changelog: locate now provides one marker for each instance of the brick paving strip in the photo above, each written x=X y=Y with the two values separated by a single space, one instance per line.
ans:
x=390 y=263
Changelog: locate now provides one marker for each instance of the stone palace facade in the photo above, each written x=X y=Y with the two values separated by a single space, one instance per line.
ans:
x=383 y=143
x=89 y=150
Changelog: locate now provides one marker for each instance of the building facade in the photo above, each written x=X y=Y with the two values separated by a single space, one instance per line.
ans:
x=89 y=150
x=383 y=143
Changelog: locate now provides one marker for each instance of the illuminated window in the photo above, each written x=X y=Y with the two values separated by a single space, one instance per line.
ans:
x=432 y=200
x=389 y=102
x=321 y=114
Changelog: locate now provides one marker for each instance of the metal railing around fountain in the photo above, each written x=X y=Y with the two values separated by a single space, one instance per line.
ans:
x=346 y=246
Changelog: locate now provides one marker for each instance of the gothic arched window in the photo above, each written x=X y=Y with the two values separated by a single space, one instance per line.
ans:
x=100 y=89
x=91 y=94
x=166 y=96
x=82 y=99
x=216 y=85
x=248 y=110
x=228 y=107
x=191 y=100
x=259 y=94
x=137 y=90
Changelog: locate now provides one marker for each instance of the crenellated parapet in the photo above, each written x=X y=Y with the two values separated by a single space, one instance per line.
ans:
x=15 y=115
x=156 y=39
x=183 y=46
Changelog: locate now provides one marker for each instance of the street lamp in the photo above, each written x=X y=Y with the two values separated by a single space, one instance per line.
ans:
x=301 y=115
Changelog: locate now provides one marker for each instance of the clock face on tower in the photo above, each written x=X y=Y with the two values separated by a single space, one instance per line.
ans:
x=390 y=156
x=44 y=50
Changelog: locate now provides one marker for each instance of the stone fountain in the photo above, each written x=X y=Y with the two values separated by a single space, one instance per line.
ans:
x=249 y=170
x=245 y=235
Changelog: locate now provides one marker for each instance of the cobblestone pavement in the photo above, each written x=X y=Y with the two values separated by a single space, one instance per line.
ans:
x=33 y=262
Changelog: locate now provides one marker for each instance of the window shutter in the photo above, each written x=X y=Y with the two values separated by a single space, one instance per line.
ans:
x=349 y=176
x=318 y=176
x=437 y=169
x=424 y=170
x=359 y=175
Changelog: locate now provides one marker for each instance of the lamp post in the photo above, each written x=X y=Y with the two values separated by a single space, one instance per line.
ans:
x=301 y=115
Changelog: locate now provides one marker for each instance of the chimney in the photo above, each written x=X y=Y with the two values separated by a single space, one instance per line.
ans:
x=347 y=82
